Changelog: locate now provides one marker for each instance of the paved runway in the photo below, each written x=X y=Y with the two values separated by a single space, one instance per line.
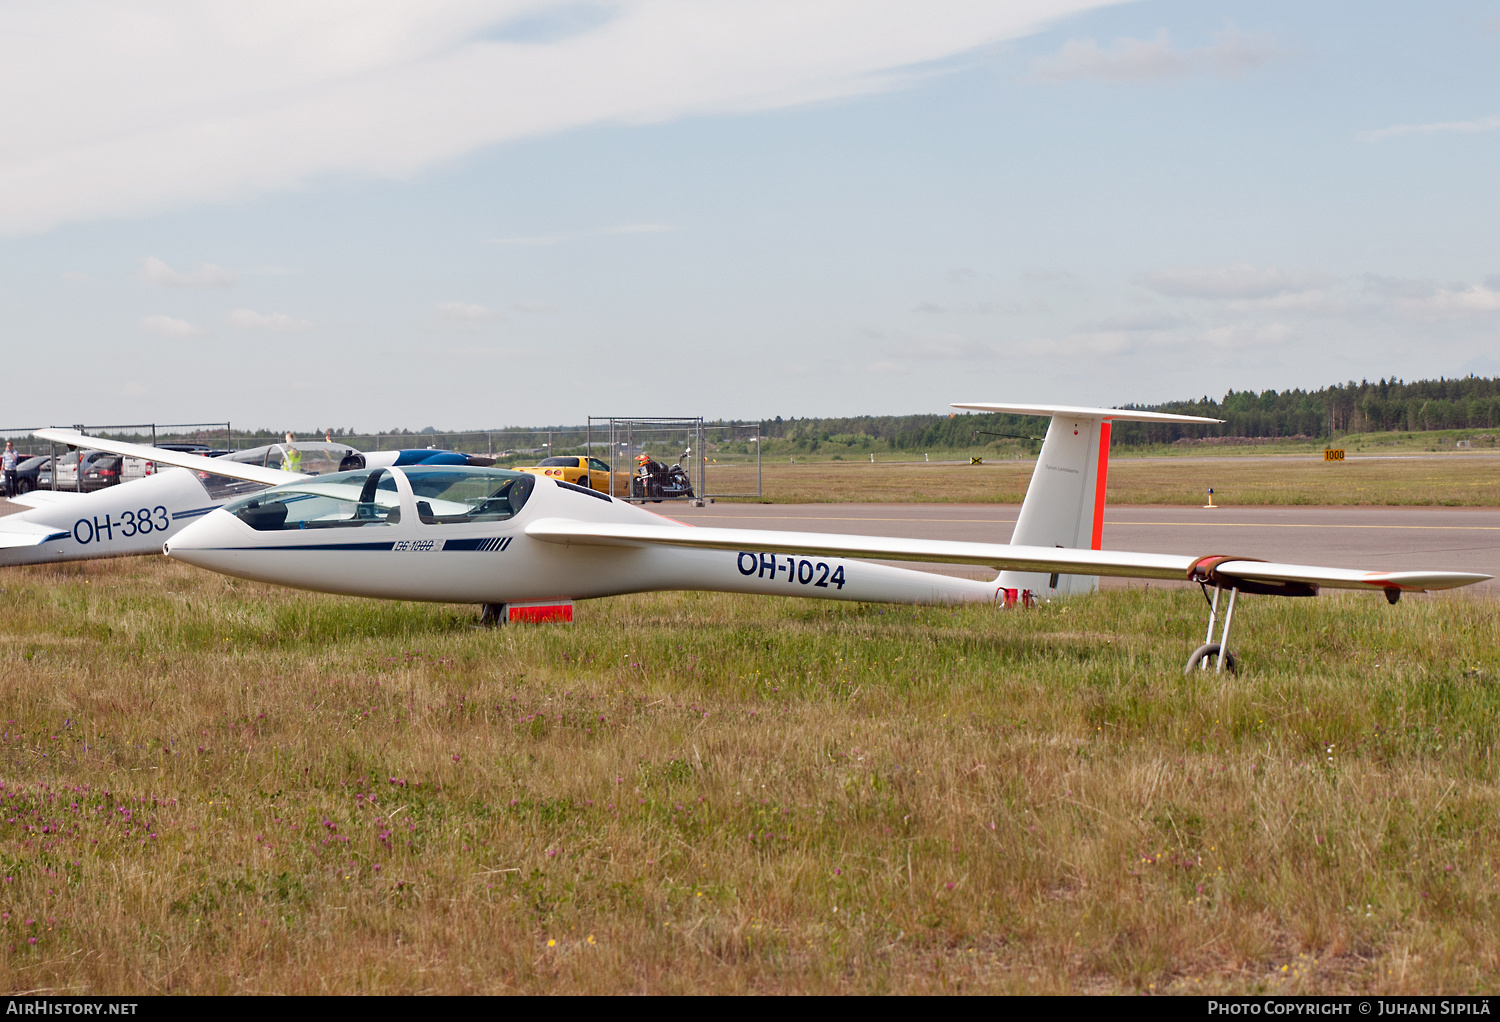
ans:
x=1461 y=539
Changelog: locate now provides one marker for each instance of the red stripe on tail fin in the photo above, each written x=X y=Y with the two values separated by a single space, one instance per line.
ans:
x=1100 y=484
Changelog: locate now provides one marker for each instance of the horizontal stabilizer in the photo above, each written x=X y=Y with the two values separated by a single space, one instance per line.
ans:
x=1078 y=411
x=1117 y=563
x=44 y=498
x=15 y=532
x=196 y=462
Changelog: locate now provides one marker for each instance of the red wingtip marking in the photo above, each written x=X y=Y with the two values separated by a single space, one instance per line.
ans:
x=1101 y=484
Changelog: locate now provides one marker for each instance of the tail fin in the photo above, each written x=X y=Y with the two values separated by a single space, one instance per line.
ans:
x=1064 y=505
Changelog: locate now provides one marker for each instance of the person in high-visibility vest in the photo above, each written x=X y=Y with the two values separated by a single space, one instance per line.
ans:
x=291 y=458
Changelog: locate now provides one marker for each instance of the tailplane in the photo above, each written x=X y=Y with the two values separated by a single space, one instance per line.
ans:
x=1064 y=505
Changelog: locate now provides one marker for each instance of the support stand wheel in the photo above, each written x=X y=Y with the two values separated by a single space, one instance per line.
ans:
x=491 y=615
x=1207 y=654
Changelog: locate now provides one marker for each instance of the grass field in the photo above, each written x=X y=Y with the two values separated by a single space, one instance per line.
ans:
x=1454 y=479
x=212 y=786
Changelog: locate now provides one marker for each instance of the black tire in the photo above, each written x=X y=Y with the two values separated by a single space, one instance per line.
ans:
x=583 y=481
x=1206 y=654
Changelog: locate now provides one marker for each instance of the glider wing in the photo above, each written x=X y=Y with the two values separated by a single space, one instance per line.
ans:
x=196 y=462
x=42 y=498
x=1118 y=563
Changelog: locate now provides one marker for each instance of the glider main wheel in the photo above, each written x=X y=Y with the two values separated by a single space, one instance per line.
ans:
x=1207 y=655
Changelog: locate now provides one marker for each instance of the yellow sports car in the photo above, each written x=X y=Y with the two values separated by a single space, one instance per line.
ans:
x=588 y=472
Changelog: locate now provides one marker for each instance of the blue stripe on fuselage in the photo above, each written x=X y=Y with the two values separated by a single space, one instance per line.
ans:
x=316 y=546
x=488 y=543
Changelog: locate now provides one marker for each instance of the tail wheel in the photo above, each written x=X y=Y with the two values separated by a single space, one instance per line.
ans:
x=1206 y=656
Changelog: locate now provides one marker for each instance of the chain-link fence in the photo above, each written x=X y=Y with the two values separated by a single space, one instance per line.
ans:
x=214 y=435
x=719 y=459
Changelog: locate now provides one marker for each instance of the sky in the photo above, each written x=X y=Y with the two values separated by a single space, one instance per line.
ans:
x=480 y=213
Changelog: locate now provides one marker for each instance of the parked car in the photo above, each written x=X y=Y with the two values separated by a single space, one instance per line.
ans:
x=28 y=471
x=101 y=470
x=139 y=468
x=107 y=474
x=589 y=472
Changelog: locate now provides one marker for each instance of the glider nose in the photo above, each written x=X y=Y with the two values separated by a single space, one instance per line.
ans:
x=203 y=542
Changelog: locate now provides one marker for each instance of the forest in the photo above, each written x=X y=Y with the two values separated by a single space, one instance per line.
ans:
x=1364 y=407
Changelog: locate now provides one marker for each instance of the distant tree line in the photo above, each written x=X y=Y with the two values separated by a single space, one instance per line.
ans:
x=1385 y=406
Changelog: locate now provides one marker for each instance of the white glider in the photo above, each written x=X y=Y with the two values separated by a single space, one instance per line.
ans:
x=137 y=517
x=526 y=547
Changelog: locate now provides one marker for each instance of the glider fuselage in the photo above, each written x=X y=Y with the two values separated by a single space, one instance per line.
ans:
x=495 y=562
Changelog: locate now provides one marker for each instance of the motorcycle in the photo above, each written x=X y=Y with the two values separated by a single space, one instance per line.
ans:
x=655 y=481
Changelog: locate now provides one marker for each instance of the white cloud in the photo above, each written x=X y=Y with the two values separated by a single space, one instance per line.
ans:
x=249 y=319
x=166 y=326
x=1434 y=128
x=976 y=308
x=1248 y=335
x=530 y=240
x=539 y=240
x=1240 y=280
x=154 y=271
x=1102 y=340
x=1142 y=319
x=126 y=107
x=1452 y=302
x=465 y=312
x=639 y=229
x=1037 y=275
x=1315 y=301
x=950 y=347
x=1154 y=60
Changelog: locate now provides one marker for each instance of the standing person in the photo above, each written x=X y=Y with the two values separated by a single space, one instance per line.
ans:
x=8 y=465
x=291 y=458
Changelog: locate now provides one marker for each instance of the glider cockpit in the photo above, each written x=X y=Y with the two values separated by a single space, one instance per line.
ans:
x=447 y=495
x=314 y=458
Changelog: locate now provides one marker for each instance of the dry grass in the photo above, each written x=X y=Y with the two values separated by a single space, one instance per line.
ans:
x=1454 y=479
x=213 y=787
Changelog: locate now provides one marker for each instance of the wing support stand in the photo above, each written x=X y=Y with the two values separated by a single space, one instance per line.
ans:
x=1201 y=655
x=1205 y=571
